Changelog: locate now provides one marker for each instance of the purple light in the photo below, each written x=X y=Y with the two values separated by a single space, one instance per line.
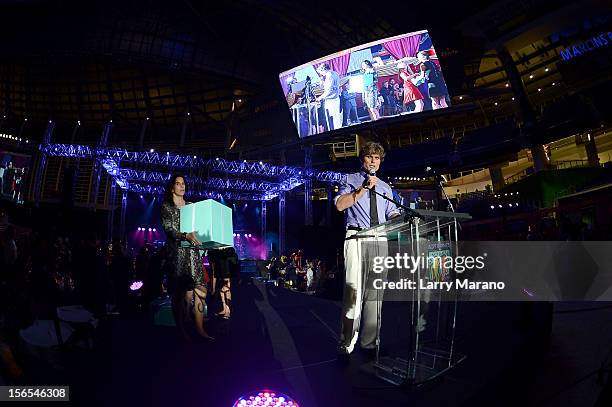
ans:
x=238 y=235
x=265 y=398
x=136 y=285
x=150 y=230
x=154 y=230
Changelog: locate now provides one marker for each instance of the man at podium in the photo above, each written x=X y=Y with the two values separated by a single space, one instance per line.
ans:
x=363 y=209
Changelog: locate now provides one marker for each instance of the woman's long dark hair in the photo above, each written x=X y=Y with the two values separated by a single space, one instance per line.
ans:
x=170 y=187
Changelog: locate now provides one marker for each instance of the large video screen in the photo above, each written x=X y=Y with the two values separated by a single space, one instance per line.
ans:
x=386 y=78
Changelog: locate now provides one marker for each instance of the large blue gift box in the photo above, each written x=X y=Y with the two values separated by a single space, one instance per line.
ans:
x=211 y=221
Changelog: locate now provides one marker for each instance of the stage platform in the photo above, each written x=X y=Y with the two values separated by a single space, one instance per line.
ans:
x=286 y=341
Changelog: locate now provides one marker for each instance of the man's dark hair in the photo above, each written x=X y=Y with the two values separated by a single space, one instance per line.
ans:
x=372 y=147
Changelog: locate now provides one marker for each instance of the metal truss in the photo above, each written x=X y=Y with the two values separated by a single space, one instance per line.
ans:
x=67 y=150
x=213 y=183
x=170 y=160
x=148 y=182
x=209 y=193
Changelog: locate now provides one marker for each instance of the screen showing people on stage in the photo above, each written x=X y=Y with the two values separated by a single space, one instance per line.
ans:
x=14 y=170
x=386 y=78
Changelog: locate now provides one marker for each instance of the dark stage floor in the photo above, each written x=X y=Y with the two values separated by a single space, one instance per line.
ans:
x=286 y=341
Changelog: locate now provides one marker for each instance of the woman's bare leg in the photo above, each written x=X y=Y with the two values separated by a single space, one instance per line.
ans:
x=178 y=311
x=373 y=114
x=226 y=298
x=434 y=104
x=200 y=296
x=228 y=295
x=418 y=105
x=438 y=102
x=442 y=102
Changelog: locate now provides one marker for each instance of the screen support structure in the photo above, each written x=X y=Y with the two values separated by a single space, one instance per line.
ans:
x=281 y=223
x=42 y=162
x=308 y=187
x=264 y=216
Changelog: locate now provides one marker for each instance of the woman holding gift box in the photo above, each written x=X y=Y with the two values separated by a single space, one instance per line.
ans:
x=186 y=276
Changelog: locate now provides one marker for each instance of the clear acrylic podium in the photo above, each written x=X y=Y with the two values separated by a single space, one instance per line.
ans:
x=428 y=318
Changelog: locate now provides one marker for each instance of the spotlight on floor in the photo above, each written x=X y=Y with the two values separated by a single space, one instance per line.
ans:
x=265 y=398
x=136 y=285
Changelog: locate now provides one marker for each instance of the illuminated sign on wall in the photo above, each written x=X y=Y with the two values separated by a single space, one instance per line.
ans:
x=599 y=41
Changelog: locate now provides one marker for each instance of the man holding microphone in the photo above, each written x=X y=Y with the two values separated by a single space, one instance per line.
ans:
x=363 y=209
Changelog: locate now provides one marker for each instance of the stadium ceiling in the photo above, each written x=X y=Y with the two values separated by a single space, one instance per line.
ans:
x=186 y=70
x=92 y=61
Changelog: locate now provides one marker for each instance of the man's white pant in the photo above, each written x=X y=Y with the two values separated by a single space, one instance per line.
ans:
x=333 y=108
x=359 y=294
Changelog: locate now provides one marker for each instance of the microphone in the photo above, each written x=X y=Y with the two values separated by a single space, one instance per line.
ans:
x=371 y=173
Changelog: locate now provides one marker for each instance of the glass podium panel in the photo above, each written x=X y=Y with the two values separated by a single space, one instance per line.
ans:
x=416 y=324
